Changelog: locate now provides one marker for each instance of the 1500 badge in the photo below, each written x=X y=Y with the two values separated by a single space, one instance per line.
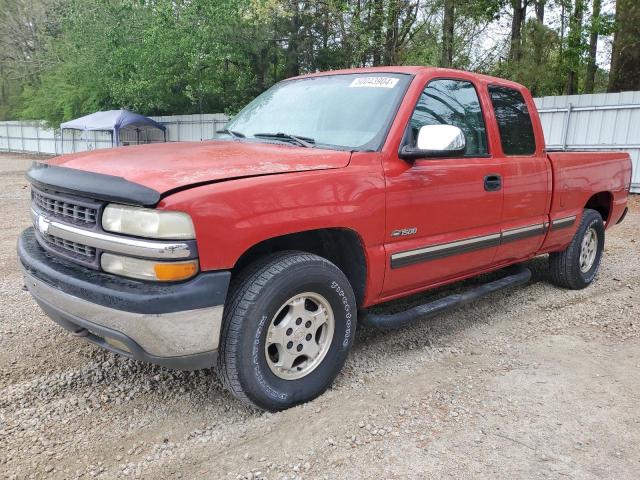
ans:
x=403 y=232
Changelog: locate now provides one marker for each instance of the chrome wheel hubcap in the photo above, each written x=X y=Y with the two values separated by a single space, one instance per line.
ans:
x=299 y=336
x=588 y=250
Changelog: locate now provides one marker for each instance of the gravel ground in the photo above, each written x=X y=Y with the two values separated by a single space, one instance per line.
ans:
x=536 y=382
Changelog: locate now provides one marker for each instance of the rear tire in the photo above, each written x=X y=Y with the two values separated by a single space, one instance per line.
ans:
x=577 y=265
x=287 y=329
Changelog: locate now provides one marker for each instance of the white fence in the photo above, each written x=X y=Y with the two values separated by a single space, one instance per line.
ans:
x=33 y=137
x=602 y=121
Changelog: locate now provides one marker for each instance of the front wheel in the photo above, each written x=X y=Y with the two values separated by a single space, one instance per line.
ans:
x=577 y=265
x=287 y=330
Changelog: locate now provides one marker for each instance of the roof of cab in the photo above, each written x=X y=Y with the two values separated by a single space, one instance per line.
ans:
x=414 y=70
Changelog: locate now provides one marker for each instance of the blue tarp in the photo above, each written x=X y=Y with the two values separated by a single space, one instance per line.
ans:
x=112 y=121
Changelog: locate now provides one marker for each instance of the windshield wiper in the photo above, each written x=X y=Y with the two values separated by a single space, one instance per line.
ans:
x=232 y=133
x=306 y=142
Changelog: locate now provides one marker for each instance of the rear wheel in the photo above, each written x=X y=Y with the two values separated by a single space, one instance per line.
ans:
x=577 y=265
x=287 y=330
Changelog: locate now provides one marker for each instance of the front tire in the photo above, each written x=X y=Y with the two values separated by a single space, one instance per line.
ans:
x=577 y=265
x=287 y=329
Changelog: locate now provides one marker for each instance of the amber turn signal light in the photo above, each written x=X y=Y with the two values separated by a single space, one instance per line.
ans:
x=148 y=269
x=172 y=272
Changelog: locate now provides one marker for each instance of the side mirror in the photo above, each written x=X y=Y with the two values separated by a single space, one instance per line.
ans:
x=436 y=141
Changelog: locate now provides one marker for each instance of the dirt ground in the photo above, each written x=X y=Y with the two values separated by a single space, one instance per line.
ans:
x=535 y=382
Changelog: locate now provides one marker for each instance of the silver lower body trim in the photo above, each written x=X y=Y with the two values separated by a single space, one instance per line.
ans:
x=163 y=335
x=524 y=232
x=434 y=252
x=443 y=250
x=564 y=222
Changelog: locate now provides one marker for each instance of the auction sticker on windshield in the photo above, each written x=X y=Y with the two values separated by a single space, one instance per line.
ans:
x=374 y=82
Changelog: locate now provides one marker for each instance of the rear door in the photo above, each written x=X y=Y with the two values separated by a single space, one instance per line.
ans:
x=526 y=175
x=443 y=214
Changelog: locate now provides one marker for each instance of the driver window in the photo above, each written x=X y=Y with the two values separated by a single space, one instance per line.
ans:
x=452 y=102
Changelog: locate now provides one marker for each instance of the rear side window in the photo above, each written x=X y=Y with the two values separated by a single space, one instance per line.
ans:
x=514 y=122
x=452 y=102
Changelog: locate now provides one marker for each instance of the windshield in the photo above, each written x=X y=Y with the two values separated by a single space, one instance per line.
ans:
x=344 y=111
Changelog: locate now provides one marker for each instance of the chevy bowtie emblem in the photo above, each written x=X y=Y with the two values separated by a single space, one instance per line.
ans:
x=42 y=224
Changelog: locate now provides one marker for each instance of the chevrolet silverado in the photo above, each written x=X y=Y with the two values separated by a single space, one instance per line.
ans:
x=257 y=252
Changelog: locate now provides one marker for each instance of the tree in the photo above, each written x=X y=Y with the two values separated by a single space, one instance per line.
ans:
x=519 y=15
x=539 y=27
x=540 y=6
x=23 y=25
x=540 y=47
x=575 y=47
x=625 y=55
x=595 y=27
x=447 y=33
x=64 y=58
x=462 y=21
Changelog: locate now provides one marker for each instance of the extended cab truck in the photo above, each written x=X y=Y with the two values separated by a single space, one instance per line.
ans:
x=327 y=194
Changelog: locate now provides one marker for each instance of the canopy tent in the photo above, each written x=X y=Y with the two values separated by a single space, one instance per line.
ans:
x=113 y=121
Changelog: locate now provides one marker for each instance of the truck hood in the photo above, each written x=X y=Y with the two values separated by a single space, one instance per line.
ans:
x=168 y=166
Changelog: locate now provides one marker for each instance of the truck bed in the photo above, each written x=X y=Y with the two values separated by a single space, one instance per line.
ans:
x=578 y=175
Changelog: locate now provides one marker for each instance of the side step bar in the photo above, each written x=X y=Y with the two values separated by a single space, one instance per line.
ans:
x=392 y=321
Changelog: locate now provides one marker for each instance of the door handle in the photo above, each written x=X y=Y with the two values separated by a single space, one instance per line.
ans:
x=492 y=183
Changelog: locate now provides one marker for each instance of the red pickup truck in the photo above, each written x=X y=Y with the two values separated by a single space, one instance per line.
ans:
x=255 y=253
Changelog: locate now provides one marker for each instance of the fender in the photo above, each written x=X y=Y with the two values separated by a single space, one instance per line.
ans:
x=231 y=217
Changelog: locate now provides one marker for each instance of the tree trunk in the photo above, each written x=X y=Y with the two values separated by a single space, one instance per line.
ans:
x=447 y=33
x=519 y=14
x=538 y=40
x=3 y=88
x=292 y=66
x=260 y=67
x=562 y=27
x=625 y=57
x=391 y=41
x=590 y=79
x=540 y=4
x=378 y=36
x=574 y=45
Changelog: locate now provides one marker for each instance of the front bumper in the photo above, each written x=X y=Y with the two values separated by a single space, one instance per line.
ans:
x=175 y=325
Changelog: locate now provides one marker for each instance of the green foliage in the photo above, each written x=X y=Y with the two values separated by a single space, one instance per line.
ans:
x=189 y=56
x=126 y=55
x=541 y=67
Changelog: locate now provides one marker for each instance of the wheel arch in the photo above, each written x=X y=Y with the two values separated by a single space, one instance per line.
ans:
x=601 y=202
x=342 y=246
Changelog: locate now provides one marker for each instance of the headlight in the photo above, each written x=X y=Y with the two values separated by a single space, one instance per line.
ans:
x=148 y=269
x=147 y=222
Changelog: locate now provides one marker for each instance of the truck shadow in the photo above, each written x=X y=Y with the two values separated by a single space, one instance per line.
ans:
x=448 y=322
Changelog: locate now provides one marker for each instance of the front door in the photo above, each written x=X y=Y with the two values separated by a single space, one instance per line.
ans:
x=443 y=214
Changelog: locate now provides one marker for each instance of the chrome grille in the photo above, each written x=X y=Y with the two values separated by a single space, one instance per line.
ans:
x=64 y=208
x=85 y=251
